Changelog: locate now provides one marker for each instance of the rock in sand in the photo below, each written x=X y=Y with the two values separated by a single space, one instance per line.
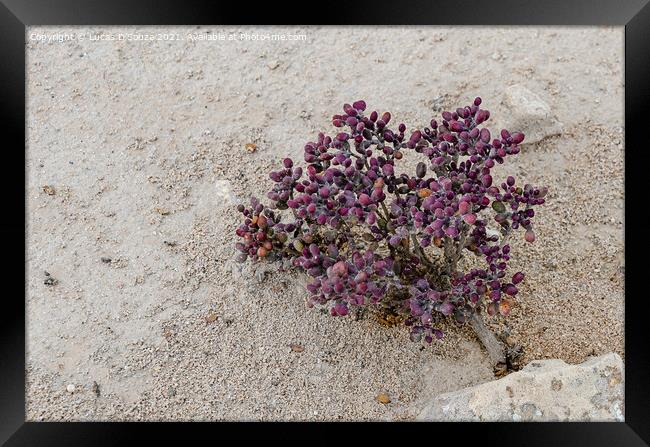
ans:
x=544 y=390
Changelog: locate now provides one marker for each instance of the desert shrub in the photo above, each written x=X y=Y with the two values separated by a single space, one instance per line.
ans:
x=370 y=235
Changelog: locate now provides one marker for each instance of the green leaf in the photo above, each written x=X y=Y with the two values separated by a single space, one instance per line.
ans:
x=499 y=207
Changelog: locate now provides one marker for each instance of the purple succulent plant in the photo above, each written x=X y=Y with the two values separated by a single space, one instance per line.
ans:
x=367 y=233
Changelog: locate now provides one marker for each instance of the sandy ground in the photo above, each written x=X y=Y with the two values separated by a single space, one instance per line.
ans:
x=144 y=316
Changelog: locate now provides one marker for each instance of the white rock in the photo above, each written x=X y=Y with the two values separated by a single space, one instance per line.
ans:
x=209 y=196
x=526 y=112
x=224 y=193
x=545 y=390
x=70 y=388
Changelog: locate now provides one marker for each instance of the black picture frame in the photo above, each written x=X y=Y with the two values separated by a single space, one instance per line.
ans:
x=16 y=15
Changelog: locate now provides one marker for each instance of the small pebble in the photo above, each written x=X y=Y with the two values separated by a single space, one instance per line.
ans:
x=70 y=388
x=50 y=281
x=383 y=398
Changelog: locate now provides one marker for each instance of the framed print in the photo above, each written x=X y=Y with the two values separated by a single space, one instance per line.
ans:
x=408 y=213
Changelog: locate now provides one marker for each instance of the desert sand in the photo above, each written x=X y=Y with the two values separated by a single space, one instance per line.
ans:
x=136 y=160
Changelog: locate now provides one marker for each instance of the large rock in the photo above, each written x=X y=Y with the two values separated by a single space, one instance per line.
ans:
x=526 y=112
x=545 y=390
